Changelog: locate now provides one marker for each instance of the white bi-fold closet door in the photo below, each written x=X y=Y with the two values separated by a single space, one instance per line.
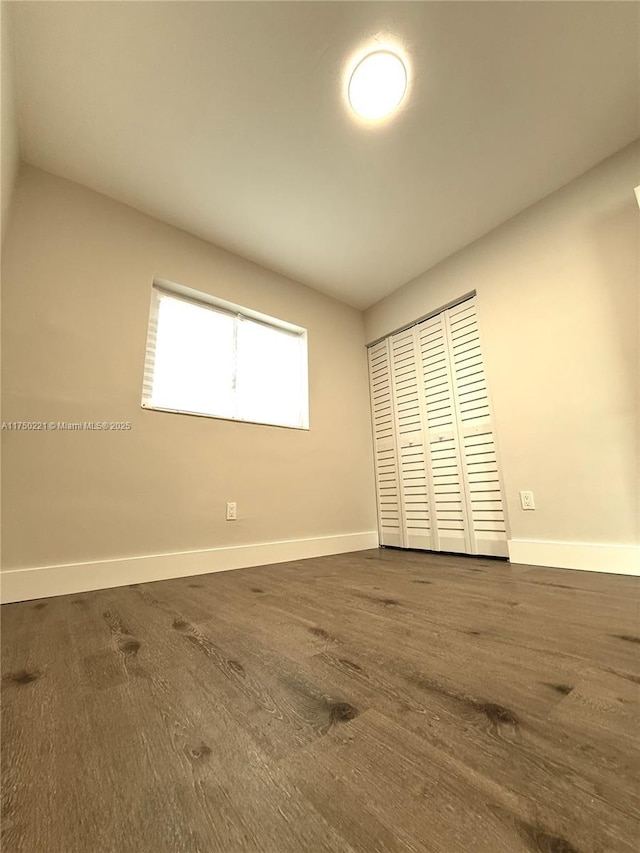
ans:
x=437 y=476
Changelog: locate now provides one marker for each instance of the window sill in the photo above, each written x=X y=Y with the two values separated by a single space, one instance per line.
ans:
x=150 y=408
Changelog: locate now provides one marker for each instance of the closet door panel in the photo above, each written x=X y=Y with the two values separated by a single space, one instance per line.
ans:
x=442 y=446
x=416 y=504
x=487 y=528
x=385 y=450
x=437 y=473
x=485 y=493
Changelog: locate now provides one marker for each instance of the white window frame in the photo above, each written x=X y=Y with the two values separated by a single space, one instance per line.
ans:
x=204 y=300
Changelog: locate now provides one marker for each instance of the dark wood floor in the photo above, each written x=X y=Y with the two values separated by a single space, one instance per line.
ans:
x=376 y=702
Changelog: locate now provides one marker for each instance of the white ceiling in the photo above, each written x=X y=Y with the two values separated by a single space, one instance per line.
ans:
x=228 y=120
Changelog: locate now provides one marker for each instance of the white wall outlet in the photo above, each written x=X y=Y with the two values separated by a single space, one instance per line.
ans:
x=232 y=511
x=526 y=500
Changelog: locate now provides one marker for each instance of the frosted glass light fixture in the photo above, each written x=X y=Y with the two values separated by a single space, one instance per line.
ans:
x=377 y=85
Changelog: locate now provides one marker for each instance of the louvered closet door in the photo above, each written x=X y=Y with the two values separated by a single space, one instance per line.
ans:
x=445 y=471
x=414 y=491
x=390 y=525
x=436 y=463
x=487 y=528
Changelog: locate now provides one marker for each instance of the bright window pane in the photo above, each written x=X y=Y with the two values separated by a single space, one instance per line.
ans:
x=269 y=380
x=193 y=368
x=213 y=361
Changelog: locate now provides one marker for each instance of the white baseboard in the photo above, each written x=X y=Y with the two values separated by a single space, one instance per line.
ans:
x=614 y=559
x=47 y=581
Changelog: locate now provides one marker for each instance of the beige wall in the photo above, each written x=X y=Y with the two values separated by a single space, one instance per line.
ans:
x=10 y=157
x=558 y=302
x=558 y=299
x=78 y=269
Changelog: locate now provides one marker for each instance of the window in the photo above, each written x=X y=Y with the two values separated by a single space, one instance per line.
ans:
x=208 y=357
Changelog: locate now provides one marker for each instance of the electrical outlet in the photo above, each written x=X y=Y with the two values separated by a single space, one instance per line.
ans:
x=232 y=512
x=526 y=500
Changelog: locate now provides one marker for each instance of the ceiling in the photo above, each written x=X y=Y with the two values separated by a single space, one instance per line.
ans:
x=228 y=120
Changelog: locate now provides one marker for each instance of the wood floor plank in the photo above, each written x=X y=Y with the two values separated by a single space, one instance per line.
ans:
x=493 y=741
x=416 y=780
x=377 y=702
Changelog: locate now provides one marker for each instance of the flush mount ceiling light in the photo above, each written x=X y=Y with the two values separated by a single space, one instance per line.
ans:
x=377 y=85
